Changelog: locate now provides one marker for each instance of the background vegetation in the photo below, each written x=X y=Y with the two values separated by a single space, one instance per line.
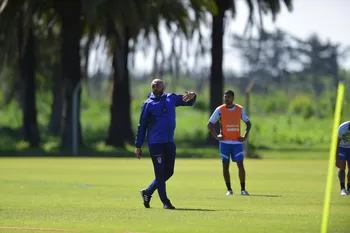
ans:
x=47 y=47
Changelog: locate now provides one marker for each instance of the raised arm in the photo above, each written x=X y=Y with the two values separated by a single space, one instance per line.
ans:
x=142 y=127
x=181 y=100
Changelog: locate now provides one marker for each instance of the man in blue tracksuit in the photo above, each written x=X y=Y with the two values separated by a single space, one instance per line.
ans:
x=158 y=119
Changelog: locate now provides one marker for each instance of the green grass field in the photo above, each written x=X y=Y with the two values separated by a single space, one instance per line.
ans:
x=102 y=195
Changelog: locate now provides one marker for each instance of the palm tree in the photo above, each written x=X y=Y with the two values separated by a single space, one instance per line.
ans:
x=65 y=77
x=70 y=13
x=16 y=19
x=27 y=63
x=216 y=73
x=140 y=16
x=119 y=130
x=48 y=33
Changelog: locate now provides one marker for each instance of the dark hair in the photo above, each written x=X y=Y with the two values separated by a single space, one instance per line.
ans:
x=230 y=92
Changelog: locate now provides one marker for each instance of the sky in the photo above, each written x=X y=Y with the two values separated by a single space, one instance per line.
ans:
x=327 y=18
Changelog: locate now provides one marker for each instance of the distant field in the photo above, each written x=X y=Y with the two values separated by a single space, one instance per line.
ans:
x=102 y=195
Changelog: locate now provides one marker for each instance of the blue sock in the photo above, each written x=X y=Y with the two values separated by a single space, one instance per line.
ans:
x=152 y=187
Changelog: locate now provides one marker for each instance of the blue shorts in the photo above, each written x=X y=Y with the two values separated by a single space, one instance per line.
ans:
x=233 y=151
x=344 y=153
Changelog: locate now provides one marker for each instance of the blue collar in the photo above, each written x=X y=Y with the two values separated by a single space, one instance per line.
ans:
x=153 y=97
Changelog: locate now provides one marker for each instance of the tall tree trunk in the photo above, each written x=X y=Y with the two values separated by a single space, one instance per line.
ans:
x=216 y=75
x=120 y=130
x=55 y=123
x=27 y=60
x=70 y=59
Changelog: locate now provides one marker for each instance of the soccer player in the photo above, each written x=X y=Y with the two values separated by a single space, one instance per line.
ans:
x=230 y=139
x=158 y=119
x=343 y=155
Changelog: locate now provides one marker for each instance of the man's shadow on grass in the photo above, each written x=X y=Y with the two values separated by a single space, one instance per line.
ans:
x=195 y=209
x=264 y=195
x=203 y=210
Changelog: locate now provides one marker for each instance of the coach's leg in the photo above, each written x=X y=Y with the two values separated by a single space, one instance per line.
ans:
x=169 y=163
x=170 y=160
x=157 y=154
x=225 y=157
x=154 y=149
x=341 y=163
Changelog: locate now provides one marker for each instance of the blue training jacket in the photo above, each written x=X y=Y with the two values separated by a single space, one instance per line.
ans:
x=158 y=118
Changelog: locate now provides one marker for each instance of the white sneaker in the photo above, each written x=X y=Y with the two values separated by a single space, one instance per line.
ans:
x=343 y=192
x=244 y=193
x=229 y=193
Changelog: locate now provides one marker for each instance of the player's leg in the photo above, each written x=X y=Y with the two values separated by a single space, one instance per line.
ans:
x=348 y=161
x=227 y=178
x=238 y=157
x=348 y=188
x=341 y=173
x=224 y=149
